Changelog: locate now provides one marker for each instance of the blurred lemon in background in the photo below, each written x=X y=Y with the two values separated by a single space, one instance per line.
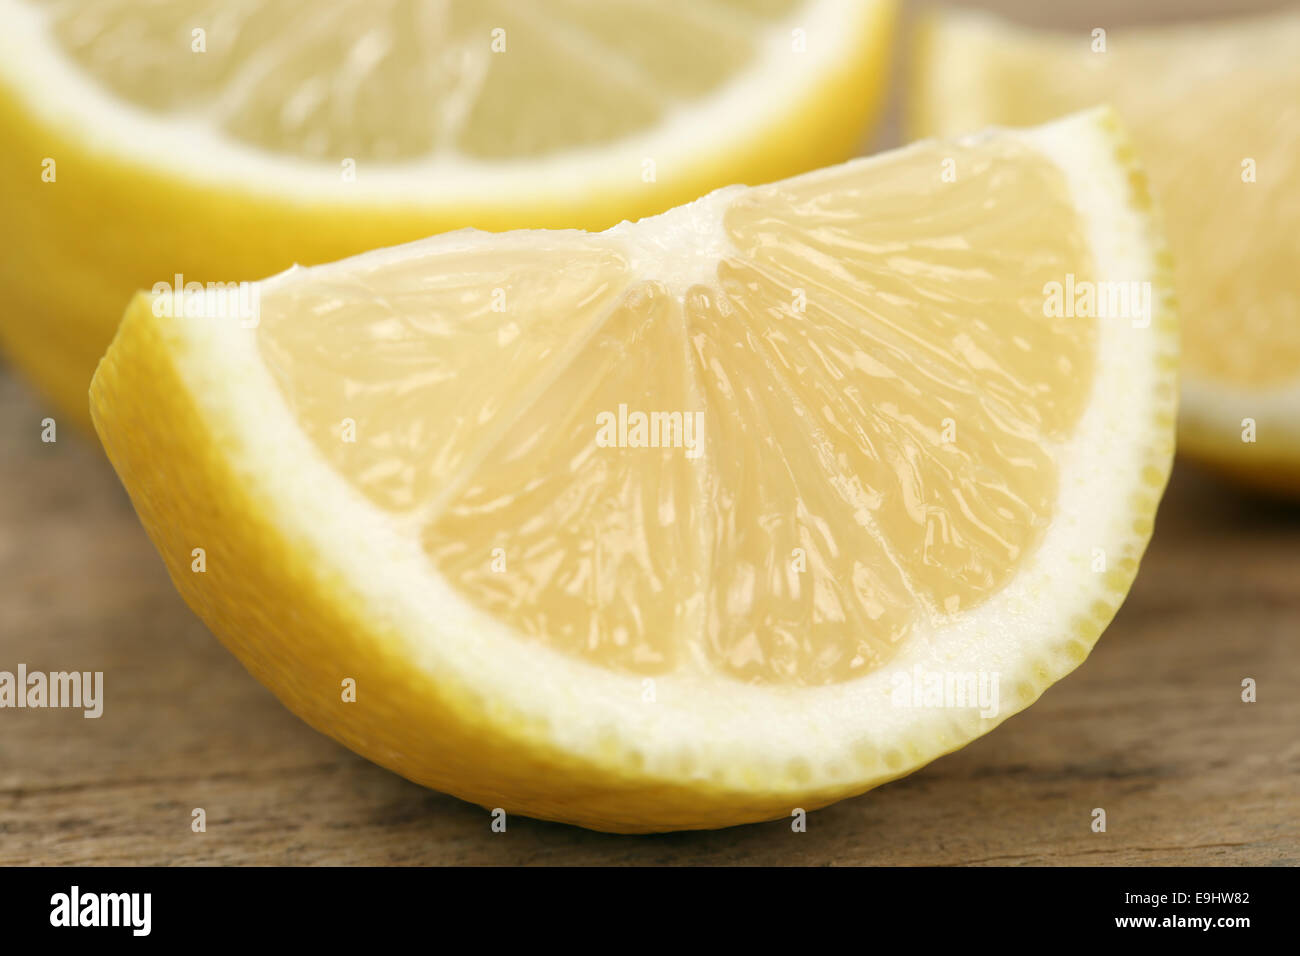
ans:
x=1214 y=110
x=673 y=525
x=219 y=141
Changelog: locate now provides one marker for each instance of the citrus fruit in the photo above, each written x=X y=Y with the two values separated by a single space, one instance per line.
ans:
x=705 y=519
x=215 y=140
x=1214 y=110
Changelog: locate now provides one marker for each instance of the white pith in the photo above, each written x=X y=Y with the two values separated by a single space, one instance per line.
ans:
x=730 y=735
x=775 y=83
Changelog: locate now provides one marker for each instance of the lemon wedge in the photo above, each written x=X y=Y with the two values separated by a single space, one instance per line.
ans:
x=704 y=519
x=1215 y=113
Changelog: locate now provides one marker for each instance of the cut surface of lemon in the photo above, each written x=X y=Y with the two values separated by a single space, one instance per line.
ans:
x=1214 y=110
x=217 y=140
x=675 y=525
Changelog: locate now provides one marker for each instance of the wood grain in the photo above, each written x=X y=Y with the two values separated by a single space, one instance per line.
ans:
x=1151 y=727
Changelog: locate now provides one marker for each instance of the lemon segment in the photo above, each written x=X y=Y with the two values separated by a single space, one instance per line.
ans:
x=1215 y=114
x=868 y=449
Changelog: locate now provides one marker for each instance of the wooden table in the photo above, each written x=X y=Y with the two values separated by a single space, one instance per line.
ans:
x=1151 y=727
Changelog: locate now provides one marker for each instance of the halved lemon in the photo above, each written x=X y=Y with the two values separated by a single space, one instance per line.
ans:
x=705 y=519
x=1215 y=114
x=218 y=140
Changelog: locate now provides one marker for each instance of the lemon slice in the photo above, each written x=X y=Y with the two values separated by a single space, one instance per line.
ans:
x=218 y=140
x=1215 y=114
x=675 y=525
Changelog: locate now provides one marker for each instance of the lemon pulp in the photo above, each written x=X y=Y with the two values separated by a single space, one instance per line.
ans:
x=877 y=387
x=488 y=79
